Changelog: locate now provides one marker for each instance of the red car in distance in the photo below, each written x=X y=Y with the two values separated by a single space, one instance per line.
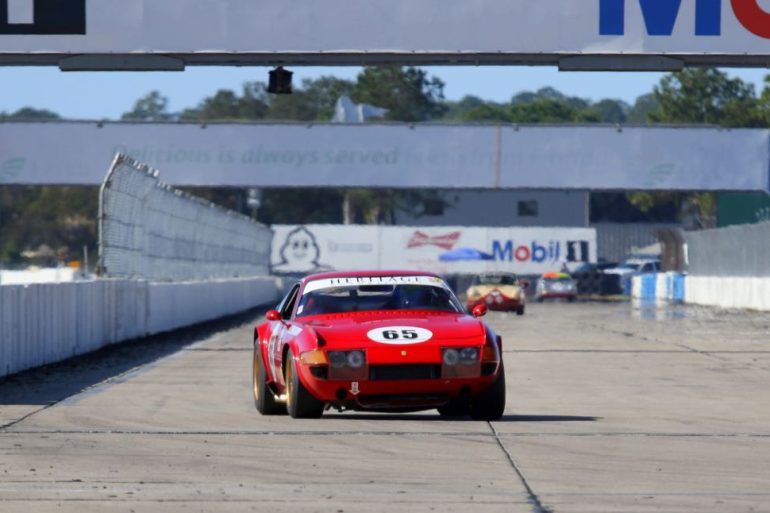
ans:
x=391 y=341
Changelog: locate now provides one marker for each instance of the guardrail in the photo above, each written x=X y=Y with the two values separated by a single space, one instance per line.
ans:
x=46 y=323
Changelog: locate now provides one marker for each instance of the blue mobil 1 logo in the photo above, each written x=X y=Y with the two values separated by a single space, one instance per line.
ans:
x=660 y=16
x=42 y=17
x=508 y=251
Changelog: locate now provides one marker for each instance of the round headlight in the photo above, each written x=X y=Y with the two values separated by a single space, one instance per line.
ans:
x=355 y=359
x=469 y=355
x=337 y=359
x=451 y=357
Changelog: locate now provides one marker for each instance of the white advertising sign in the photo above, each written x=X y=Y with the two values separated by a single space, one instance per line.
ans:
x=403 y=156
x=370 y=31
x=448 y=250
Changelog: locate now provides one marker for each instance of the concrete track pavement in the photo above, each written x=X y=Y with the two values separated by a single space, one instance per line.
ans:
x=610 y=408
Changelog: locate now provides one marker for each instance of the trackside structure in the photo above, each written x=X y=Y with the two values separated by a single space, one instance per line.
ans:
x=149 y=230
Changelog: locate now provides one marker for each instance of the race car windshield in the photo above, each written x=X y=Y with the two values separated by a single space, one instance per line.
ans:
x=362 y=298
x=495 y=279
x=558 y=280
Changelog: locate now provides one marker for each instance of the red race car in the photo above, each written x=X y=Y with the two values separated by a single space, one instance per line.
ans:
x=377 y=341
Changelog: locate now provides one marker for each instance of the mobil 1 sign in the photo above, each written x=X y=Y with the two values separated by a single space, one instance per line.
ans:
x=237 y=32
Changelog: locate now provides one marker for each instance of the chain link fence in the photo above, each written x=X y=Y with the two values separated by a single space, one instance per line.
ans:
x=733 y=251
x=152 y=231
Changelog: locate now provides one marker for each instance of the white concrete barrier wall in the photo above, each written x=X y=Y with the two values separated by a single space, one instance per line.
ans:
x=46 y=323
x=729 y=292
x=173 y=305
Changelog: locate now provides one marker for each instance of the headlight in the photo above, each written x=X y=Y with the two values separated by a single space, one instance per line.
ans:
x=464 y=355
x=347 y=365
x=461 y=362
x=337 y=359
x=355 y=359
x=469 y=355
x=451 y=357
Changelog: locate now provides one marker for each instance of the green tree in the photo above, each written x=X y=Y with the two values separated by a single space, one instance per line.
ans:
x=408 y=93
x=63 y=218
x=544 y=110
x=643 y=106
x=29 y=113
x=457 y=110
x=610 y=111
x=486 y=112
x=705 y=96
x=313 y=101
x=151 y=107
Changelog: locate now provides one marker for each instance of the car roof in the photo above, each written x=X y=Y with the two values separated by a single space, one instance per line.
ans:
x=359 y=274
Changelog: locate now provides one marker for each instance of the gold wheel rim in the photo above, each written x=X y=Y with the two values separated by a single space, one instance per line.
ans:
x=289 y=383
x=255 y=375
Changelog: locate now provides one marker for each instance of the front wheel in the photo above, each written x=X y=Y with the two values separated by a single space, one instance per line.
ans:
x=459 y=407
x=264 y=399
x=490 y=403
x=520 y=310
x=300 y=403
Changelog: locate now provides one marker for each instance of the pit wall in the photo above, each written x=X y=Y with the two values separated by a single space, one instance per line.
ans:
x=718 y=291
x=729 y=292
x=47 y=323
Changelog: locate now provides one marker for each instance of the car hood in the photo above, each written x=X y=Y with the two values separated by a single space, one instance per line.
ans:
x=341 y=330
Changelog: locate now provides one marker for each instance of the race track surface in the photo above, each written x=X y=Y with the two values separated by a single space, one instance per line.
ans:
x=611 y=408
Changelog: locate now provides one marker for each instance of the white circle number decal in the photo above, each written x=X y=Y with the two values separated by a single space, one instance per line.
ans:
x=400 y=335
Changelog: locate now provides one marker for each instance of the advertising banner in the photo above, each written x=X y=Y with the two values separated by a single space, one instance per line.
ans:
x=398 y=156
x=368 y=31
x=448 y=250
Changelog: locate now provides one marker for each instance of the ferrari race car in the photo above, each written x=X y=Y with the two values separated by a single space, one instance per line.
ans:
x=555 y=286
x=499 y=291
x=376 y=341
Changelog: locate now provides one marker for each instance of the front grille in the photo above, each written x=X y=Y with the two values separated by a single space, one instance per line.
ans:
x=404 y=372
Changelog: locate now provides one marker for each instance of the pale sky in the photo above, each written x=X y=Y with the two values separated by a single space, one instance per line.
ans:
x=106 y=95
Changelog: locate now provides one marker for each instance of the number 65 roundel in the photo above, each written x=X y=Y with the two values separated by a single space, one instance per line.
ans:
x=400 y=335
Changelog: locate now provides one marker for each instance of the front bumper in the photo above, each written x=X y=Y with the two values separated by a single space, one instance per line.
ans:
x=558 y=295
x=394 y=394
x=497 y=303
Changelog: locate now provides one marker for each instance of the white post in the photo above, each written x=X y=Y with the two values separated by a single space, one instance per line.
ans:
x=21 y=12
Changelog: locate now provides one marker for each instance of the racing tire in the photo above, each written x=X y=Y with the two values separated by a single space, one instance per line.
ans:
x=460 y=407
x=490 y=403
x=520 y=310
x=540 y=299
x=300 y=403
x=264 y=399
x=572 y=299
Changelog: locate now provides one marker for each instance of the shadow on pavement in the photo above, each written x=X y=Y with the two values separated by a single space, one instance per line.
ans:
x=547 y=418
x=437 y=418
x=53 y=383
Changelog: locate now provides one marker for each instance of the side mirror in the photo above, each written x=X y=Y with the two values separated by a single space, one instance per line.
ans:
x=273 y=315
x=479 y=310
